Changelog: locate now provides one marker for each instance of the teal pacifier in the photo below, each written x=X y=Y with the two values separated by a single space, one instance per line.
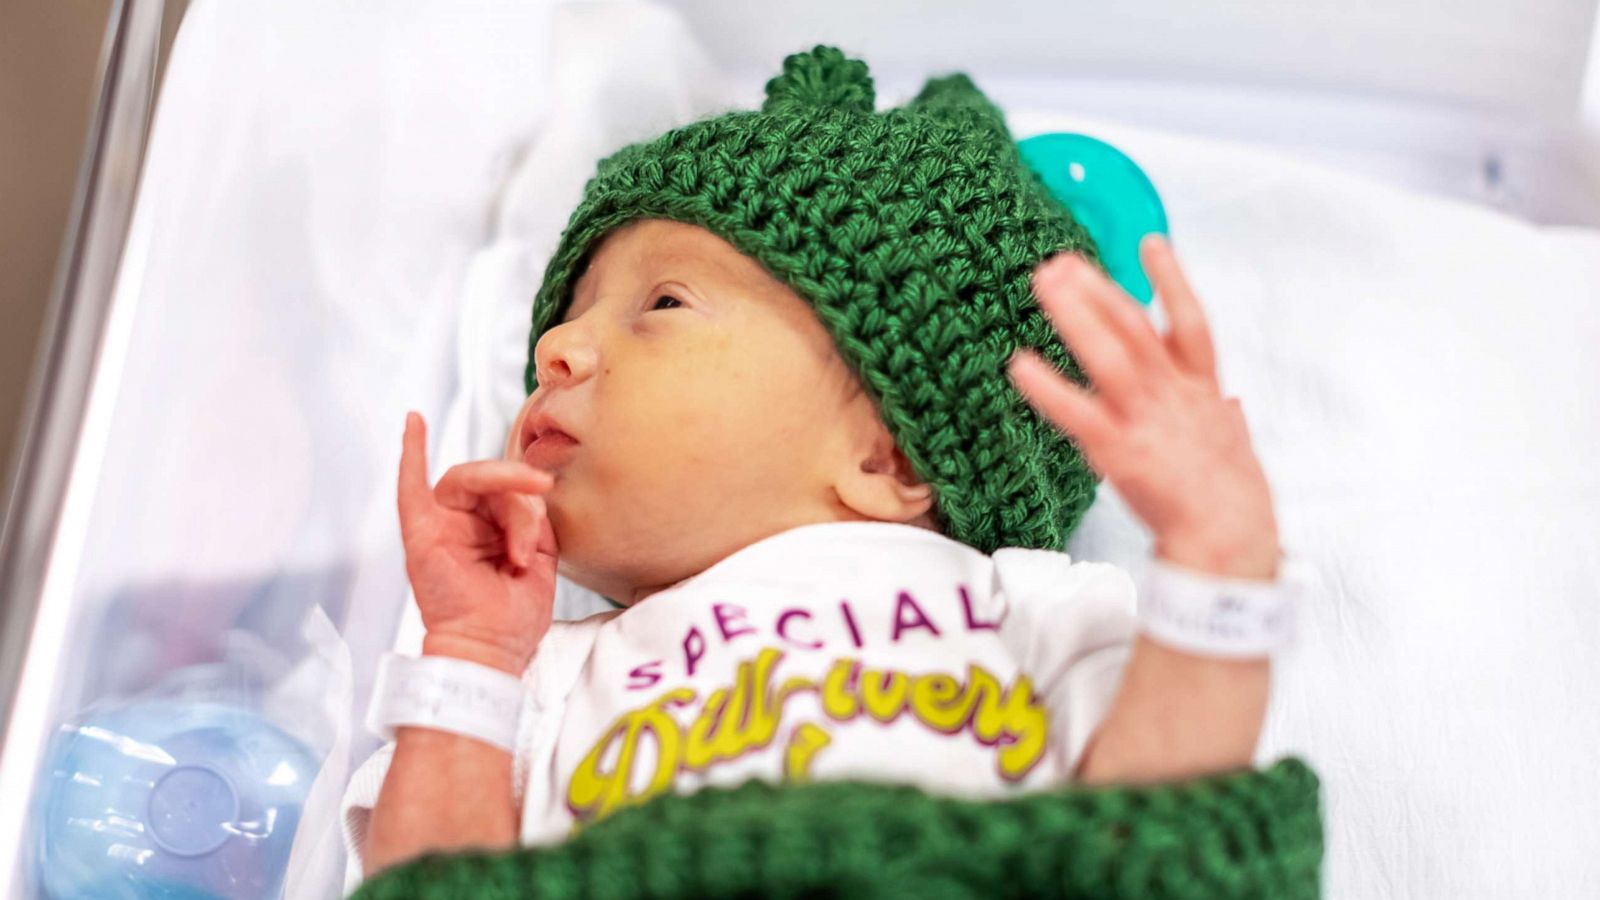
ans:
x=1105 y=191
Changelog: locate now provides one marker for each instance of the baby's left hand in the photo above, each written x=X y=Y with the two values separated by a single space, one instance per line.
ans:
x=1156 y=423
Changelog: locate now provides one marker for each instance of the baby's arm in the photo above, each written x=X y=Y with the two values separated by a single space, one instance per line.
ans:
x=481 y=557
x=1156 y=425
x=1178 y=714
x=443 y=790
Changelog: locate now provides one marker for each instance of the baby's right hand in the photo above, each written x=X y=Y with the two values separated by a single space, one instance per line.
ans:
x=480 y=554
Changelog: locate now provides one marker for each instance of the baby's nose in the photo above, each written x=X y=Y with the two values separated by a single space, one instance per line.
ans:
x=564 y=355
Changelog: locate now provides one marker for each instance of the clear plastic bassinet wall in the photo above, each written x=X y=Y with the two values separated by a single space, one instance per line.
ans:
x=266 y=271
x=202 y=561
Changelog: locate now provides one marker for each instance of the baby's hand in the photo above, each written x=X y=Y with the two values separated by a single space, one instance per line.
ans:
x=480 y=554
x=1156 y=424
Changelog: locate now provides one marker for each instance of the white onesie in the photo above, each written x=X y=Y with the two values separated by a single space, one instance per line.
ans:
x=835 y=650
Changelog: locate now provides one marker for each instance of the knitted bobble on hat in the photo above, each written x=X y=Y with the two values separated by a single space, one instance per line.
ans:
x=823 y=77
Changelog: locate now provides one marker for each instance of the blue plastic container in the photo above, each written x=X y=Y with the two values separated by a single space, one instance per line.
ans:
x=164 y=799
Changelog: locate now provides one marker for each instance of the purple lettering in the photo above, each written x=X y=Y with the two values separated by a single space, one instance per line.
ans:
x=855 y=633
x=644 y=675
x=694 y=647
x=783 y=632
x=738 y=614
x=901 y=623
x=972 y=622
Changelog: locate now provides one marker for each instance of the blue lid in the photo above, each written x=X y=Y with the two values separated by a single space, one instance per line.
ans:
x=190 y=810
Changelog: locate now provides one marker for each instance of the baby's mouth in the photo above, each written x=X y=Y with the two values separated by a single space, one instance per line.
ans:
x=543 y=424
x=549 y=449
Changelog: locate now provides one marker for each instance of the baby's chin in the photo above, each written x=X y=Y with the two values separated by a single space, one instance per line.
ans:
x=611 y=569
x=565 y=570
x=616 y=555
x=584 y=560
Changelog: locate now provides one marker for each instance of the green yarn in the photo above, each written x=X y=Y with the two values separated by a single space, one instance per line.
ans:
x=1242 y=834
x=913 y=233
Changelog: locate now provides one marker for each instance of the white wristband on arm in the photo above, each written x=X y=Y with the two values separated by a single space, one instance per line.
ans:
x=1232 y=618
x=446 y=694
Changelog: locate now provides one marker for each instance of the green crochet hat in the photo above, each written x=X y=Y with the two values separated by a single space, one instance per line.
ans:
x=913 y=232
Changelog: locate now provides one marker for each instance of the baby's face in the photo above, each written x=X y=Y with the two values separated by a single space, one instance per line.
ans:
x=710 y=410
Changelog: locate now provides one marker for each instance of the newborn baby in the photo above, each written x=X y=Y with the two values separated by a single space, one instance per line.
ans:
x=834 y=540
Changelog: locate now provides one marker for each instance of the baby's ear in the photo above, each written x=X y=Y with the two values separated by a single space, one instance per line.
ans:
x=890 y=459
x=886 y=487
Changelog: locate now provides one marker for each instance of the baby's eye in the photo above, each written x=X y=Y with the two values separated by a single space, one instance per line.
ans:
x=658 y=300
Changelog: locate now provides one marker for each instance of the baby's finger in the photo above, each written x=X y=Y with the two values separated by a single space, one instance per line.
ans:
x=414 y=497
x=520 y=522
x=545 y=542
x=1189 y=336
x=467 y=484
x=1060 y=289
x=1067 y=406
x=1119 y=313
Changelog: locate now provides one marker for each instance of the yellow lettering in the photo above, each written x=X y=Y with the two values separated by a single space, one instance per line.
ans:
x=803 y=746
x=1028 y=724
x=883 y=694
x=700 y=750
x=746 y=716
x=593 y=793
x=731 y=725
x=938 y=700
x=838 y=700
x=792 y=684
x=1010 y=715
x=987 y=721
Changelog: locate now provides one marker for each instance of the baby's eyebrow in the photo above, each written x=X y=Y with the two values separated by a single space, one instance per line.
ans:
x=572 y=305
x=662 y=264
x=572 y=297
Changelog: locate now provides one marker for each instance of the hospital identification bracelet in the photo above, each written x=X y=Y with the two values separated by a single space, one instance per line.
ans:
x=1209 y=615
x=446 y=694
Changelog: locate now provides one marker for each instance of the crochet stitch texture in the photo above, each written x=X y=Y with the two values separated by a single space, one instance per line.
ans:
x=1242 y=834
x=913 y=233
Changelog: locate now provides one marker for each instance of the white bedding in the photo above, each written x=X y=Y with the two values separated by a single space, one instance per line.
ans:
x=345 y=216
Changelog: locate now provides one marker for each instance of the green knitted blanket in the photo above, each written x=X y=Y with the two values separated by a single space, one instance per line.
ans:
x=1248 y=833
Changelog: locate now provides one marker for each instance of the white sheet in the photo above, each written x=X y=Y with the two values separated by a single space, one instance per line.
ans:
x=324 y=241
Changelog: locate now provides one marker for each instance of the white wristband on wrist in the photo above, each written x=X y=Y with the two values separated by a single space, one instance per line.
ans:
x=447 y=694
x=1234 y=618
